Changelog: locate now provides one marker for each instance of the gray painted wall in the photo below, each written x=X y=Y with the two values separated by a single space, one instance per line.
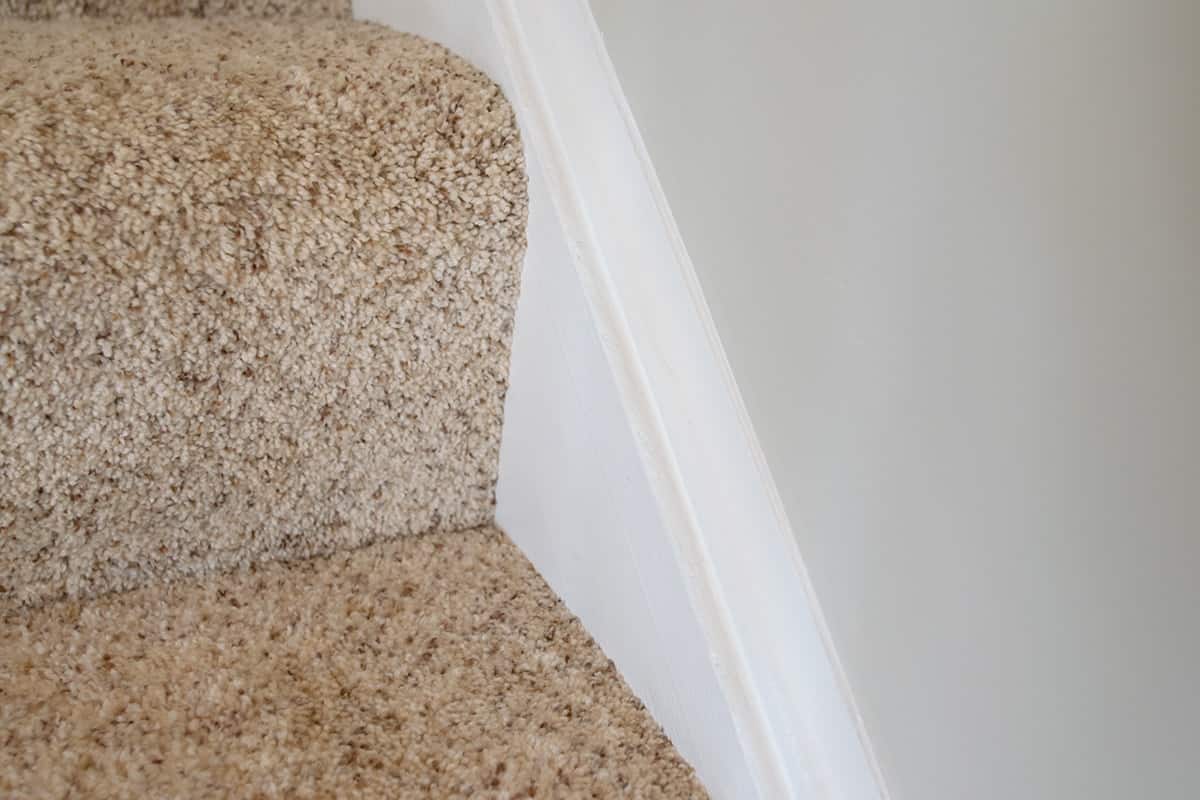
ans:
x=953 y=251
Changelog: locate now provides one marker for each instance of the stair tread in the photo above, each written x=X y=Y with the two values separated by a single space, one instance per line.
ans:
x=438 y=665
x=144 y=9
x=257 y=283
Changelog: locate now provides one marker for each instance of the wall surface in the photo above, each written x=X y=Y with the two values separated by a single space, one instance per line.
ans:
x=953 y=252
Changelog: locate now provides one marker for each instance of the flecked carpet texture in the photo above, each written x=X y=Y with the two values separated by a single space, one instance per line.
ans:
x=432 y=666
x=146 y=9
x=257 y=282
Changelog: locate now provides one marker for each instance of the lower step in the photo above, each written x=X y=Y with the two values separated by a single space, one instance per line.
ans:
x=437 y=665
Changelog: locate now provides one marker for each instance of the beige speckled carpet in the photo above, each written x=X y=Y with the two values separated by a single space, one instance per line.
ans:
x=257 y=282
x=433 y=666
x=144 y=9
x=258 y=270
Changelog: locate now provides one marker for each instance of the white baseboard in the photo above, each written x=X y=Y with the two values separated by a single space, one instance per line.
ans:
x=630 y=474
x=717 y=502
x=573 y=495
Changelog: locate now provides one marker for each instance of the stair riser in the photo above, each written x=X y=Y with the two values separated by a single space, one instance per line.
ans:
x=257 y=283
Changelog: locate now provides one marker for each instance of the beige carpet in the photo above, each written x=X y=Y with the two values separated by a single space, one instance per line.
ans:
x=257 y=282
x=433 y=666
x=142 y=9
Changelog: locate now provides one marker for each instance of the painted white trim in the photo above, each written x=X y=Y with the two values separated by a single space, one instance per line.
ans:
x=643 y=413
x=748 y=586
x=787 y=536
x=575 y=497
x=630 y=474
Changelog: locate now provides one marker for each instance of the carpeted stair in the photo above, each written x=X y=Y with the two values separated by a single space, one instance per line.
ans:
x=431 y=666
x=258 y=270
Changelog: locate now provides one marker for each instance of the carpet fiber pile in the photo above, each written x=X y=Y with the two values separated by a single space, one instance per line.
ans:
x=259 y=265
x=257 y=281
x=146 y=9
x=432 y=666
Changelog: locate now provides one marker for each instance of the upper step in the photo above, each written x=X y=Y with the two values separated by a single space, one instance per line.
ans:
x=257 y=281
x=145 y=9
